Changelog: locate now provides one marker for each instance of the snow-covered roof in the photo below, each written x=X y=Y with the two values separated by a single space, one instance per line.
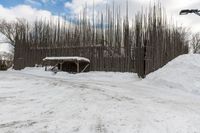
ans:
x=67 y=58
x=6 y=47
x=3 y=37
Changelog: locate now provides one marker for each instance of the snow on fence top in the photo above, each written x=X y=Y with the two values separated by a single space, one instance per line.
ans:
x=73 y=58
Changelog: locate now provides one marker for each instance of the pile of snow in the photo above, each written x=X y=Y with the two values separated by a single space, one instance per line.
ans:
x=90 y=76
x=183 y=73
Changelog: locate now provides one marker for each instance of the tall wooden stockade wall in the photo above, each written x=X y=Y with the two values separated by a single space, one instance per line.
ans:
x=111 y=42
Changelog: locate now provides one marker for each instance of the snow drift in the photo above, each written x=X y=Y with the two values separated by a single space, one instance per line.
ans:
x=182 y=73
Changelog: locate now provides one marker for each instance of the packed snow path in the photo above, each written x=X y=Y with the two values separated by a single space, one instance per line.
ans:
x=34 y=101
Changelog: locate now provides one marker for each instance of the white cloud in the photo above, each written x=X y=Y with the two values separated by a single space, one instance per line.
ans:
x=77 y=5
x=24 y=11
x=172 y=8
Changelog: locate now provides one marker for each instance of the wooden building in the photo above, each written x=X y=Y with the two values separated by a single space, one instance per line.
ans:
x=68 y=64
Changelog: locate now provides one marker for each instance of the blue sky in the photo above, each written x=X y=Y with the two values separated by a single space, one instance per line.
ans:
x=54 y=6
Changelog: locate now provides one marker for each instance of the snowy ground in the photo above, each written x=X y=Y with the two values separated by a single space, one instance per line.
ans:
x=167 y=101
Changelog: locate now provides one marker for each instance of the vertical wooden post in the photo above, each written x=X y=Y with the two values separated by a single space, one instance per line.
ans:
x=77 y=64
x=45 y=67
x=61 y=68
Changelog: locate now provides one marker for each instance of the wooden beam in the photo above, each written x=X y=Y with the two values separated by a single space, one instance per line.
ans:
x=77 y=64
x=61 y=66
x=85 y=67
x=45 y=67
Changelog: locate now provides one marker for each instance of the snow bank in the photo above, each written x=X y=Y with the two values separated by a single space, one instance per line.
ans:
x=182 y=73
x=90 y=76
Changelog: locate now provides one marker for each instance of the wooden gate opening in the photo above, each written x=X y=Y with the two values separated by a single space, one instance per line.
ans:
x=67 y=64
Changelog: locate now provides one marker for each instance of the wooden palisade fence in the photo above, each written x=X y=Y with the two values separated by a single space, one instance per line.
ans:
x=109 y=41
